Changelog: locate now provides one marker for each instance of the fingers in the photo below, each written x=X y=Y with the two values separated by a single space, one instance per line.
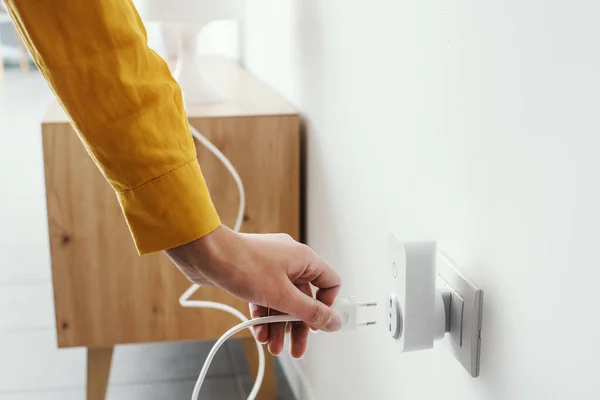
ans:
x=326 y=280
x=276 y=335
x=322 y=276
x=309 y=309
x=316 y=312
x=300 y=330
x=325 y=276
x=262 y=331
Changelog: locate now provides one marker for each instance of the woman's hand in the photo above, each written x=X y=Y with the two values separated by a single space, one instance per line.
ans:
x=271 y=272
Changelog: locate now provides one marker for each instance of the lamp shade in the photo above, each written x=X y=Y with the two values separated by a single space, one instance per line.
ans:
x=189 y=11
x=187 y=18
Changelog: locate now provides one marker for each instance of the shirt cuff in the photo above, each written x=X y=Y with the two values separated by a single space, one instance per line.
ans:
x=169 y=211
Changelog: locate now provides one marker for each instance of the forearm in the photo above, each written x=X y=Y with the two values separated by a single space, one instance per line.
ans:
x=127 y=109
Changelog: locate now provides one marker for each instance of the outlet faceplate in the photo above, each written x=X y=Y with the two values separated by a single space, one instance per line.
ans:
x=466 y=305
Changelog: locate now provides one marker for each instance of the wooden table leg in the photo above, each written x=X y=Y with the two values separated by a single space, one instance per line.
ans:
x=98 y=371
x=23 y=58
x=268 y=390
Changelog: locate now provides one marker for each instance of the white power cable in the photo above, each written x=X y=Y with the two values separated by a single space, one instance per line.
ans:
x=185 y=301
x=240 y=327
x=234 y=174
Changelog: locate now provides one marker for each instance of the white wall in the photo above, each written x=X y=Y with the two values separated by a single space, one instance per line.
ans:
x=475 y=123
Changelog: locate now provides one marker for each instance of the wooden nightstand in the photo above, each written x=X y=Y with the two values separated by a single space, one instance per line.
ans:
x=104 y=293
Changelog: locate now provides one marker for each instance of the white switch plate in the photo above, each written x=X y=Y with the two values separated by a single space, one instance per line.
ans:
x=464 y=339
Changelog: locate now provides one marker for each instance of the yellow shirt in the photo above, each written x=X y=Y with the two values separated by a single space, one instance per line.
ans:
x=127 y=109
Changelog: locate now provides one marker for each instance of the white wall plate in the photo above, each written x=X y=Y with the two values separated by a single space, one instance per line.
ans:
x=466 y=307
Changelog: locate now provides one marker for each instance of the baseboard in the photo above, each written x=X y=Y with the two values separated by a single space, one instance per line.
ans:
x=297 y=379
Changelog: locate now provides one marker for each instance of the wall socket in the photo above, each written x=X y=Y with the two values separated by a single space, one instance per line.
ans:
x=432 y=301
x=466 y=314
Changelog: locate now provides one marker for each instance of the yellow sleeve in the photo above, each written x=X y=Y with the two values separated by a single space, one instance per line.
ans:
x=126 y=108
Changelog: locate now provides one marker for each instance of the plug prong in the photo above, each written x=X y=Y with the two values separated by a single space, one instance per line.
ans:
x=369 y=323
x=369 y=304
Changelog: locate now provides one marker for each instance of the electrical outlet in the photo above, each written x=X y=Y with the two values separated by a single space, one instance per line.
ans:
x=394 y=316
x=466 y=314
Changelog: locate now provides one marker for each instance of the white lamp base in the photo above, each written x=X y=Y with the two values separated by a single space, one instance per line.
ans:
x=188 y=71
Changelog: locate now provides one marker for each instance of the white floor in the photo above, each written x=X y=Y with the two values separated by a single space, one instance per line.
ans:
x=31 y=367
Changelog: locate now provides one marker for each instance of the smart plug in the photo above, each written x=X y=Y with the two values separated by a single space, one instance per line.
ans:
x=430 y=298
x=416 y=313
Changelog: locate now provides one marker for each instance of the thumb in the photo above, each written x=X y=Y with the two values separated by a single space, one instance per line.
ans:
x=311 y=310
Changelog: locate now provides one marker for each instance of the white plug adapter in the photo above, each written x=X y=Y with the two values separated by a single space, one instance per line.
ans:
x=416 y=312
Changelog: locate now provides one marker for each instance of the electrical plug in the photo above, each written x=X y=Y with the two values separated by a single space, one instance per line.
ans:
x=347 y=309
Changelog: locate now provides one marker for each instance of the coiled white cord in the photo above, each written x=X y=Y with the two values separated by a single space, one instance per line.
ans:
x=247 y=324
x=185 y=301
